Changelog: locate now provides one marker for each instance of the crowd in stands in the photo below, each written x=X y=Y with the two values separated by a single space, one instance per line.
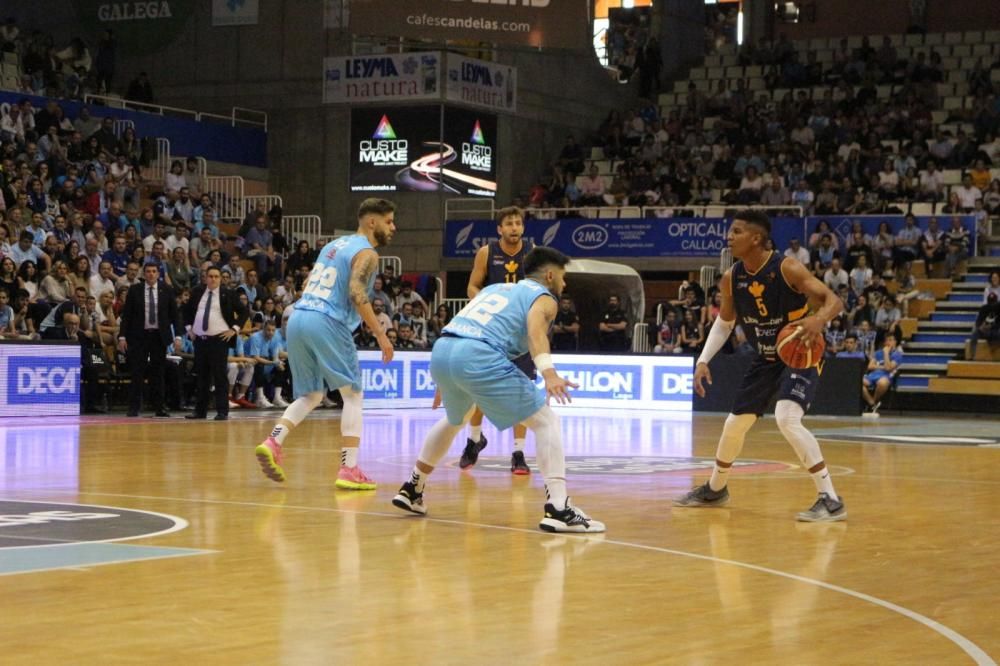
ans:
x=823 y=153
x=69 y=71
x=81 y=219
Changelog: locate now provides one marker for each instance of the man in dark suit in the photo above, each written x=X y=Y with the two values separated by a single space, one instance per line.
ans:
x=215 y=316
x=147 y=326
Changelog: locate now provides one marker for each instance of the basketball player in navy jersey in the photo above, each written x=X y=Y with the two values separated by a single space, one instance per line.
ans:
x=766 y=291
x=500 y=262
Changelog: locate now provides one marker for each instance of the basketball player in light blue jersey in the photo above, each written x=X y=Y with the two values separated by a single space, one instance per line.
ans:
x=321 y=352
x=472 y=365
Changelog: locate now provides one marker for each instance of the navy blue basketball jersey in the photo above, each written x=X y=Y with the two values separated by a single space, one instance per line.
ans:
x=764 y=303
x=503 y=268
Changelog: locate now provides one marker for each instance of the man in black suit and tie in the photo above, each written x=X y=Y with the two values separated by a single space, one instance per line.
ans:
x=147 y=326
x=215 y=316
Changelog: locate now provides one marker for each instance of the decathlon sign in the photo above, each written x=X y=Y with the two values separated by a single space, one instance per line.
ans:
x=617 y=382
x=41 y=380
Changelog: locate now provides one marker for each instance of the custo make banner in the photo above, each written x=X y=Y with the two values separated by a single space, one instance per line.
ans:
x=549 y=23
x=633 y=237
x=401 y=149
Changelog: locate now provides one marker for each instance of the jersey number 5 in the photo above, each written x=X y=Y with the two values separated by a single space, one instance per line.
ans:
x=482 y=308
x=321 y=281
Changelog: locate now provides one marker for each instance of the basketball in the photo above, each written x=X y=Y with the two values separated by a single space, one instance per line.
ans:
x=794 y=353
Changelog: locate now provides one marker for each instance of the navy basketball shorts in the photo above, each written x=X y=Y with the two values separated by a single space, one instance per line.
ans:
x=766 y=378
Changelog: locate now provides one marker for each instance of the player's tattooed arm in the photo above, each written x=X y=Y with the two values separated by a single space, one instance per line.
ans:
x=361 y=272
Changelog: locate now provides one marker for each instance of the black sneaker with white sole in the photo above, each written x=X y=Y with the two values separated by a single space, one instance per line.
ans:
x=471 y=453
x=570 y=519
x=704 y=496
x=408 y=499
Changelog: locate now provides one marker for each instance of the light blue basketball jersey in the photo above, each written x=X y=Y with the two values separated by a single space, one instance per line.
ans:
x=498 y=316
x=328 y=288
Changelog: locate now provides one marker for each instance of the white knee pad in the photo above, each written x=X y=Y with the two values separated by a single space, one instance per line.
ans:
x=232 y=369
x=788 y=414
x=738 y=425
x=350 y=417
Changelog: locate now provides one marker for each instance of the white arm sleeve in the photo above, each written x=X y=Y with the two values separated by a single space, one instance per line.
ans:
x=717 y=336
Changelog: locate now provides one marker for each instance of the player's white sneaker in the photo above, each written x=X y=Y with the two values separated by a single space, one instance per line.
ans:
x=279 y=401
x=263 y=402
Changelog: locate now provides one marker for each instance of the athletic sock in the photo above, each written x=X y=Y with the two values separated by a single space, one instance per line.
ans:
x=349 y=456
x=519 y=444
x=418 y=479
x=475 y=433
x=720 y=476
x=824 y=483
x=555 y=492
x=280 y=432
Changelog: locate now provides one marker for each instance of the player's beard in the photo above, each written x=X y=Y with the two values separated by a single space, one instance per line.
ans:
x=382 y=237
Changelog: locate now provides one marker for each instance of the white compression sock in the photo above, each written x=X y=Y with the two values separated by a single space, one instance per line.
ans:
x=789 y=415
x=349 y=456
x=549 y=452
x=437 y=441
x=519 y=444
x=295 y=414
x=475 y=432
x=350 y=416
x=730 y=444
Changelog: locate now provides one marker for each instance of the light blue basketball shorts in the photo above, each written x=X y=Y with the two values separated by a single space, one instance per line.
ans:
x=469 y=372
x=321 y=354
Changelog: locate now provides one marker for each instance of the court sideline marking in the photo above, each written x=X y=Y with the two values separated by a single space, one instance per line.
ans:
x=978 y=655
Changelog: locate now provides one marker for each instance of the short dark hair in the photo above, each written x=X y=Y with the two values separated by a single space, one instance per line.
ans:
x=508 y=212
x=540 y=257
x=377 y=206
x=757 y=218
x=850 y=336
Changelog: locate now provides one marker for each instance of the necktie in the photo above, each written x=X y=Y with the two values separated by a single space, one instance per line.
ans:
x=152 y=308
x=208 y=308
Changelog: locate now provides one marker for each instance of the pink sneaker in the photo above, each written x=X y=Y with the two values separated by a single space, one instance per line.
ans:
x=352 y=478
x=269 y=456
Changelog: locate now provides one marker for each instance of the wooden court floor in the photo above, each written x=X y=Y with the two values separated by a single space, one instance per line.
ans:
x=245 y=571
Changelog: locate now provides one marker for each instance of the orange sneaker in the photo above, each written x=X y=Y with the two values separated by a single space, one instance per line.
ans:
x=352 y=478
x=269 y=456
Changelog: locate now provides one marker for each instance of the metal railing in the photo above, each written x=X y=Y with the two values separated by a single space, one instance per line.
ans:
x=160 y=165
x=469 y=209
x=301 y=228
x=708 y=274
x=237 y=114
x=395 y=262
x=725 y=260
x=454 y=305
x=227 y=193
x=640 y=338
x=269 y=200
x=466 y=209
x=120 y=124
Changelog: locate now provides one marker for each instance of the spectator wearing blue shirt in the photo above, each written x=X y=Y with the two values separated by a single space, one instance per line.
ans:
x=881 y=368
x=37 y=229
x=26 y=250
x=113 y=218
x=258 y=246
x=241 y=371
x=118 y=256
x=269 y=369
x=207 y=221
x=850 y=349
